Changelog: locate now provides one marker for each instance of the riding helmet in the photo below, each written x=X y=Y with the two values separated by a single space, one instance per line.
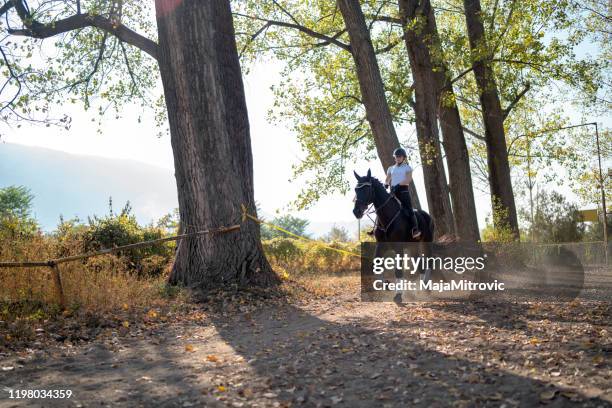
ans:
x=399 y=152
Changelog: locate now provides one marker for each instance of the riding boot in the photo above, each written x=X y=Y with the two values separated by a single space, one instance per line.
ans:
x=409 y=212
x=404 y=197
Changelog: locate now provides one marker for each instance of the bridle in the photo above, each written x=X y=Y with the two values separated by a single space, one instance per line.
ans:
x=369 y=211
x=370 y=197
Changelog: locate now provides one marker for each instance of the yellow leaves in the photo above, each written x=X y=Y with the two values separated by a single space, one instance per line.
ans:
x=574 y=396
x=346 y=350
x=221 y=388
x=152 y=314
x=588 y=343
x=189 y=348
x=126 y=324
x=535 y=341
x=212 y=358
x=126 y=307
x=473 y=378
x=495 y=397
x=547 y=396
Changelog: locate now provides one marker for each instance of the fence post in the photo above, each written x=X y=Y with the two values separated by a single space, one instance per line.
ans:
x=57 y=279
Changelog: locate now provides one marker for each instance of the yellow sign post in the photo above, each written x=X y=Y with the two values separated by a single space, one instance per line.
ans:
x=589 y=215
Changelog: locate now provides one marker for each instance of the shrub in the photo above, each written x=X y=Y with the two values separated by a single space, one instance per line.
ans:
x=123 y=229
x=298 y=256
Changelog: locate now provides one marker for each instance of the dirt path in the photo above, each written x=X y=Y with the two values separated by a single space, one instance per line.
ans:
x=337 y=352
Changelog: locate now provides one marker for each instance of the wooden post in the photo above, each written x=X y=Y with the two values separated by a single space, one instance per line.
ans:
x=57 y=280
x=602 y=184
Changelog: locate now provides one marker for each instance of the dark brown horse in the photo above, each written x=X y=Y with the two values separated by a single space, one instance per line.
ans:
x=391 y=224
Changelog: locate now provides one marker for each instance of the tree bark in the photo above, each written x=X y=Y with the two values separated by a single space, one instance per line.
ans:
x=372 y=87
x=426 y=113
x=502 y=197
x=210 y=138
x=423 y=41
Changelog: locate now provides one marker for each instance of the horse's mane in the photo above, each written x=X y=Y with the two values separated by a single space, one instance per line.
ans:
x=376 y=182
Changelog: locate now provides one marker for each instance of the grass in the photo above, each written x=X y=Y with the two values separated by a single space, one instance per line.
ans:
x=106 y=290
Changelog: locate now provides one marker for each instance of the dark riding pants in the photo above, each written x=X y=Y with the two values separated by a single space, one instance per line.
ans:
x=403 y=194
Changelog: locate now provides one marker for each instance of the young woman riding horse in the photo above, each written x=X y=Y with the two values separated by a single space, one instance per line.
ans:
x=399 y=177
x=395 y=222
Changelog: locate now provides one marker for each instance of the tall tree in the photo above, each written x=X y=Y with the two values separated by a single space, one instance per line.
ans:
x=534 y=49
x=16 y=201
x=455 y=146
x=500 y=182
x=369 y=93
x=210 y=137
x=206 y=109
x=426 y=114
x=373 y=90
x=434 y=97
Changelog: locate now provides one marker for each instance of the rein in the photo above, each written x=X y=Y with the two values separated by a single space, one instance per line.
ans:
x=377 y=223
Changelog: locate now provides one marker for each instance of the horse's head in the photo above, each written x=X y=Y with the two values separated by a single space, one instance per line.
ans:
x=364 y=194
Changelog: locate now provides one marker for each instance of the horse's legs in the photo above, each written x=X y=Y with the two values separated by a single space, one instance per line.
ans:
x=425 y=270
x=399 y=276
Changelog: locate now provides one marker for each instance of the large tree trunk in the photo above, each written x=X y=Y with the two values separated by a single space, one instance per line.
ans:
x=371 y=86
x=425 y=42
x=426 y=113
x=502 y=197
x=210 y=139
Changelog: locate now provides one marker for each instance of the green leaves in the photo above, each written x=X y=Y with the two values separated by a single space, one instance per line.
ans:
x=318 y=96
x=85 y=65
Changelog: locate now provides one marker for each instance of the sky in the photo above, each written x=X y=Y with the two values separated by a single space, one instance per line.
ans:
x=275 y=150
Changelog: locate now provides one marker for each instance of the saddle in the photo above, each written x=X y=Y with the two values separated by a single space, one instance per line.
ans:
x=404 y=211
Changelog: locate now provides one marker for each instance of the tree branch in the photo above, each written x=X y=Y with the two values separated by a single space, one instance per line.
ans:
x=472 y=133
x=253 y=37
x=6 y=7
x=389 y=47
x=129 y=69
x=12 y=76
x=516 y=99
x=284 y=10
x=301 y=28
x=36 y=29
x=505 y=28
x=461 y=75
x=387 y=19
x=335 y=36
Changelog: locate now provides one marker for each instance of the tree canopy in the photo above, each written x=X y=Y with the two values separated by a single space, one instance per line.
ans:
x=537 y=50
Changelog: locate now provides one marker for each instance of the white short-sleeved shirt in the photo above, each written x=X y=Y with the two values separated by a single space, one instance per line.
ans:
x=399 y=174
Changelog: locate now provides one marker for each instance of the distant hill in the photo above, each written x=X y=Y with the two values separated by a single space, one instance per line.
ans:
x=78 y=185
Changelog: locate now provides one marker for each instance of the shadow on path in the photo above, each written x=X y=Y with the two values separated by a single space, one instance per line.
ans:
x=316 y=362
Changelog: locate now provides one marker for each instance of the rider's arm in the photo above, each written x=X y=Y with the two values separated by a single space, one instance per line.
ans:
x=388 y=179
x=408 y=176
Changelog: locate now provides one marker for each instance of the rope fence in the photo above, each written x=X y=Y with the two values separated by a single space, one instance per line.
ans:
x=53 y=264
x=246 y=215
